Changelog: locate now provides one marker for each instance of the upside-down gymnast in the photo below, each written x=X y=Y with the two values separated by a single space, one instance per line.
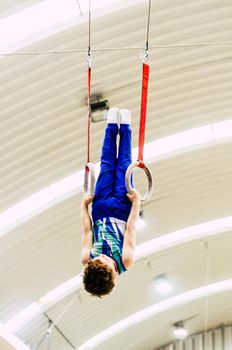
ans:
x=109 y=238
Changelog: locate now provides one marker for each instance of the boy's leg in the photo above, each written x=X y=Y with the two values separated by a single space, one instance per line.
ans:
x=105 y=182
x=124 y=156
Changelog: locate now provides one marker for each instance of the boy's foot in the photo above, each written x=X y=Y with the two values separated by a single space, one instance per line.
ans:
x=125 y=116
x=113 y=116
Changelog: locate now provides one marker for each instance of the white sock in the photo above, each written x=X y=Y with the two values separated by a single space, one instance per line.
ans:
x=125 y=116
x=113 y=116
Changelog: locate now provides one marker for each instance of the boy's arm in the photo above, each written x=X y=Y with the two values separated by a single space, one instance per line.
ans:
x=129 y=236
x=87 y=237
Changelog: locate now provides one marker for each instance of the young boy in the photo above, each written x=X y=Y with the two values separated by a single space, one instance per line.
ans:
x=108 y=246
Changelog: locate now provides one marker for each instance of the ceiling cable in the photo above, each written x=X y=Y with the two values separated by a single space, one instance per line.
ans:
x=153 y=47
x=207 y=281
x=81 y=13
x=46 y=337
x=64 y=311
x=148 y=24
x=60 y=332
x=89 y=26
x=53 y=324
x=207 y=277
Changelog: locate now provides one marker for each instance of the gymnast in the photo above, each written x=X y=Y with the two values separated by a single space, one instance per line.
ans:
x=109 y=237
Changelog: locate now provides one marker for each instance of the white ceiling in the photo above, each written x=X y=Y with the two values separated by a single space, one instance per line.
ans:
x=43 y=140
x=10 y=7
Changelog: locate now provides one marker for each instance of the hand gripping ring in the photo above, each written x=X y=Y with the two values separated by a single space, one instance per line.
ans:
x=129 y=188
x=89 y=180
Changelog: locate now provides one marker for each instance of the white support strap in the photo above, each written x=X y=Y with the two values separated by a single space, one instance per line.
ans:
x=89 y=180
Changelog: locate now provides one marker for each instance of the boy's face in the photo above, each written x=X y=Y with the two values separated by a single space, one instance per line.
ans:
x=108 y=261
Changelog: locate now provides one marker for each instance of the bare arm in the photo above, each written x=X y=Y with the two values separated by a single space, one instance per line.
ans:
x=87 y=237
x=130 y=236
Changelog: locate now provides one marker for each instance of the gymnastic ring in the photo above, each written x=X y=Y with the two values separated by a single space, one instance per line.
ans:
x=89 y=180
x=129 y=171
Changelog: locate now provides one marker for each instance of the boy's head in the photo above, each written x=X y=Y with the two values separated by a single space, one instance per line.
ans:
x=99 y=276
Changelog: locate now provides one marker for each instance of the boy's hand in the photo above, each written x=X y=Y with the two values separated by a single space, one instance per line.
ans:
x=135 y=196
x=87 y=200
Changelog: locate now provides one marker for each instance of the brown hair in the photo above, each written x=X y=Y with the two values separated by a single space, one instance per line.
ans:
x=98 y=278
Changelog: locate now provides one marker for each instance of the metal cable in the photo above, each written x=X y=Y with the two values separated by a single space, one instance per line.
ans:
x=81 y=13
x=109 y=49
x=148 y=24
x=206 y=318
x=207 y=281
x=53 y=324
x=64 y=311
x=89 y=26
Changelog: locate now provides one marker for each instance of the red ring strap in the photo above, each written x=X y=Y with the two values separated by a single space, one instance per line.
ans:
x=87 y=168
x=141 y=164
x=143 y=112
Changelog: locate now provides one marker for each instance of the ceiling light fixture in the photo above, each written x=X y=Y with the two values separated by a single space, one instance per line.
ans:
x=179 y=330
x=162 y=285
x=99 y=108
x=140 y=222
